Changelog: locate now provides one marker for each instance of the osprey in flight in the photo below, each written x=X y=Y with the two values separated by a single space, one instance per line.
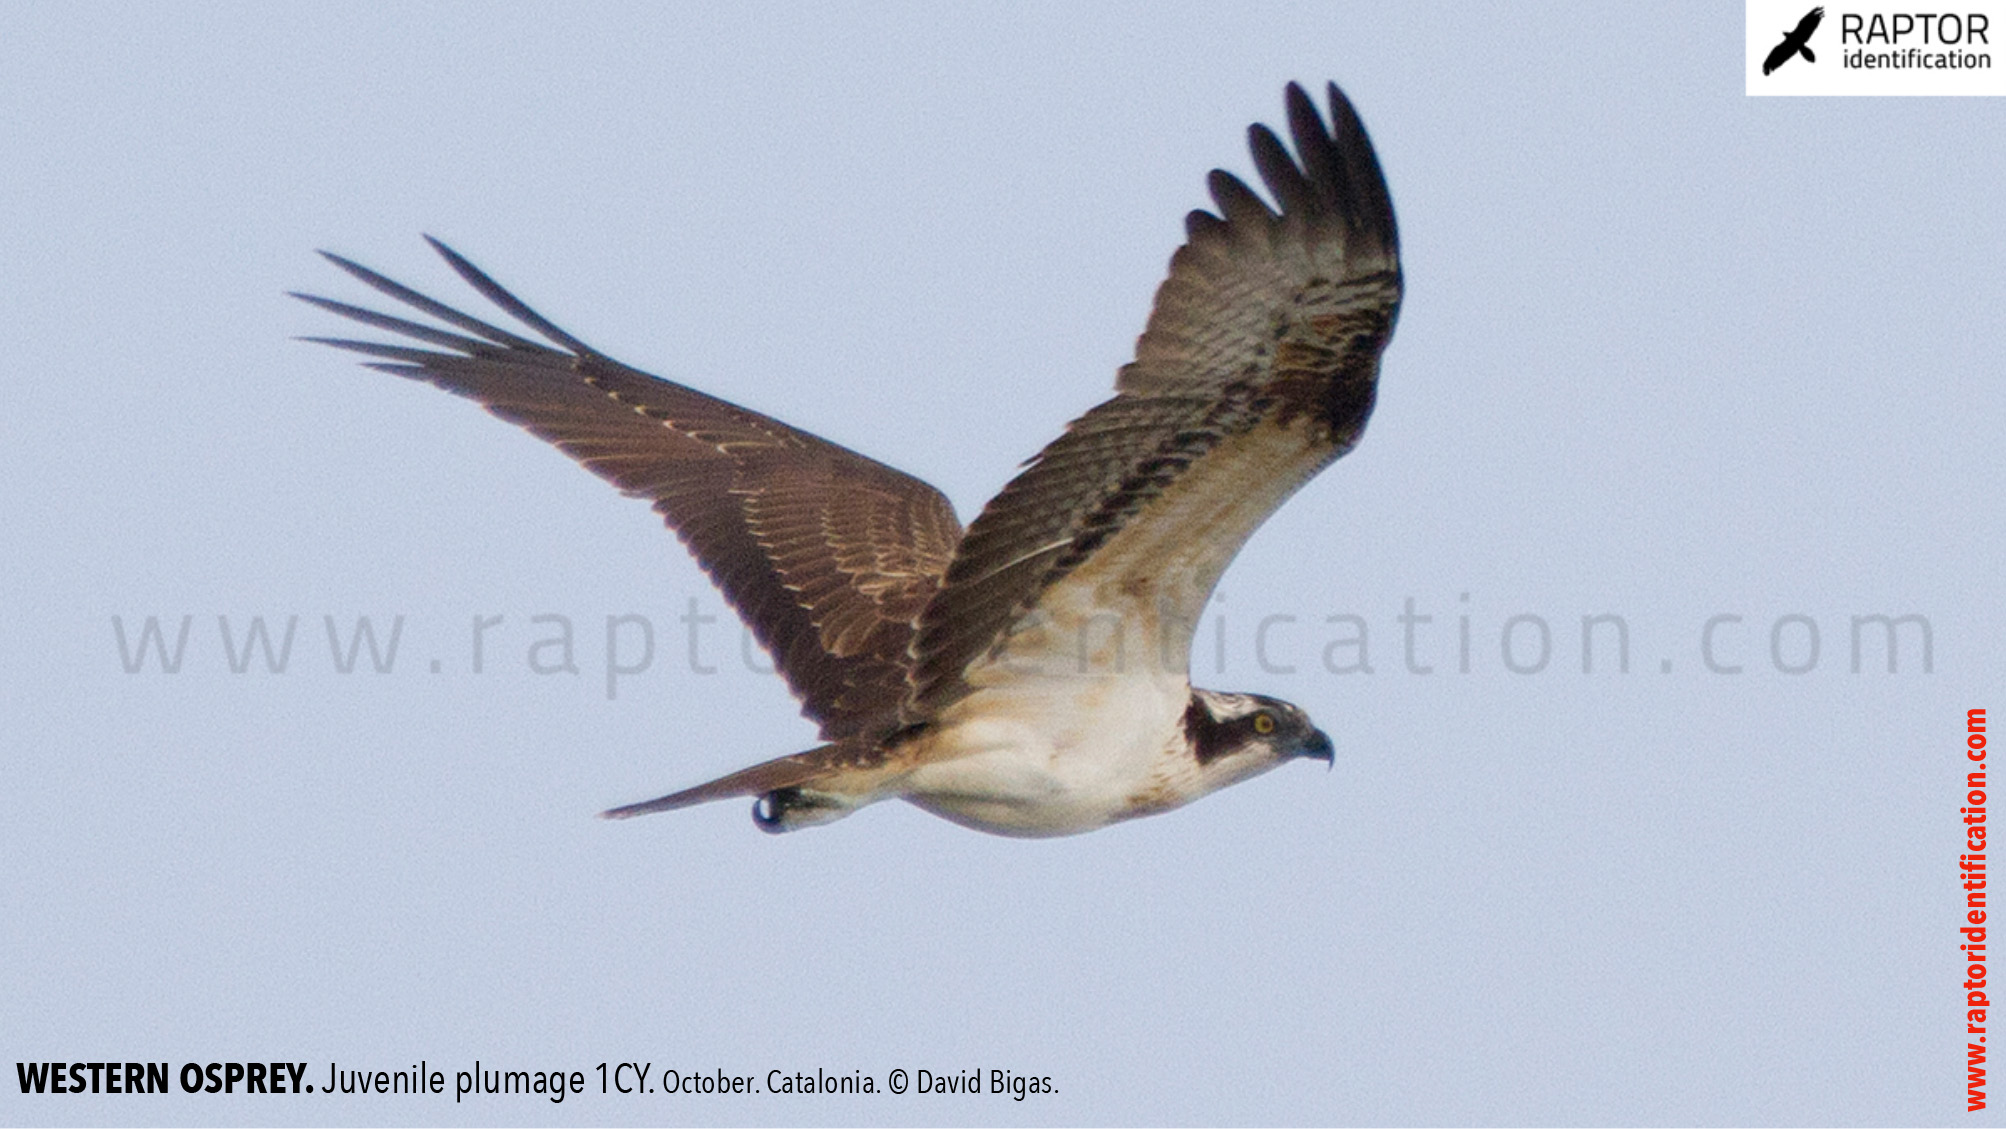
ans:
x=1029 y=675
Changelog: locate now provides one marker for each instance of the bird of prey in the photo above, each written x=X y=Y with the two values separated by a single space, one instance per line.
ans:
x=1795 y=42
x=1027 y=676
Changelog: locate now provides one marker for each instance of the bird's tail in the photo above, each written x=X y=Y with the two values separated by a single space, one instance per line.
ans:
x=1808 y=56
x=785 y=786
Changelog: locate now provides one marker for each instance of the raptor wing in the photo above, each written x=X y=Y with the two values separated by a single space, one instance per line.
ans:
x=1258 y=367
x=827 y=555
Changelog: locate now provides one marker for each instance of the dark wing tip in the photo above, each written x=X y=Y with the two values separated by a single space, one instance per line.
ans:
x=1368 y=204
x=363 y=274
x=1197 y=222
x=494 y=292
x=1332 y=176
x=409 y=297
x=1236 y=201
x=1285 y=181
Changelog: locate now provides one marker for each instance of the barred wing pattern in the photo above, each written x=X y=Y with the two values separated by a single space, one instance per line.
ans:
x=827 y=555
x=1258 y=367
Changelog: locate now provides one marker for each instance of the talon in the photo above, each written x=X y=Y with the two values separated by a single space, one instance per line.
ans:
x=791 y=809
x=770 y=810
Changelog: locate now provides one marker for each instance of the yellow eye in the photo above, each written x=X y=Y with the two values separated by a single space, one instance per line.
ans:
x=1264 y=724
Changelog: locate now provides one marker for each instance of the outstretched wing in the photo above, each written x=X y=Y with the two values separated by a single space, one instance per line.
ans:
x=1794 y=41
x=1780 y=54
x=827 y=555
x=1258 y=368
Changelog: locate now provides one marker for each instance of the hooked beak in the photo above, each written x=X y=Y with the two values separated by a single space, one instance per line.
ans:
x=1318 y=747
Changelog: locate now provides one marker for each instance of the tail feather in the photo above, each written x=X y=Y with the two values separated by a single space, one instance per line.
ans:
x=759 y=780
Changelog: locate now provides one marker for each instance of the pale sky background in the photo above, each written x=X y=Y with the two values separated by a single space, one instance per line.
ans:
x=1668 y=353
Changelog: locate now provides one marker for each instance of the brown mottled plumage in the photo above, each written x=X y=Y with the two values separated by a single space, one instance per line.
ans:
x=828 y=555
x=953 y=669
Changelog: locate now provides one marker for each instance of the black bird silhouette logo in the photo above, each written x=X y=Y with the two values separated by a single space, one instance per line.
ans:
x=1795 y=42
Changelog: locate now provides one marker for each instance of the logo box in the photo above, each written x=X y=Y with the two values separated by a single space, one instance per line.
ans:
x=1798 y=48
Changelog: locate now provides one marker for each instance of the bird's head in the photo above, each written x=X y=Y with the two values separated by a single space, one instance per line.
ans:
x=1235 y=736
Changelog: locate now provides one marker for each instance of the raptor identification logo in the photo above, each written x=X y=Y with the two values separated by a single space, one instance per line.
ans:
x=1796 y=47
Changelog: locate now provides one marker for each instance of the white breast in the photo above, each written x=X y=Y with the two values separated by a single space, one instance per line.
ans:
x=1044 y=756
